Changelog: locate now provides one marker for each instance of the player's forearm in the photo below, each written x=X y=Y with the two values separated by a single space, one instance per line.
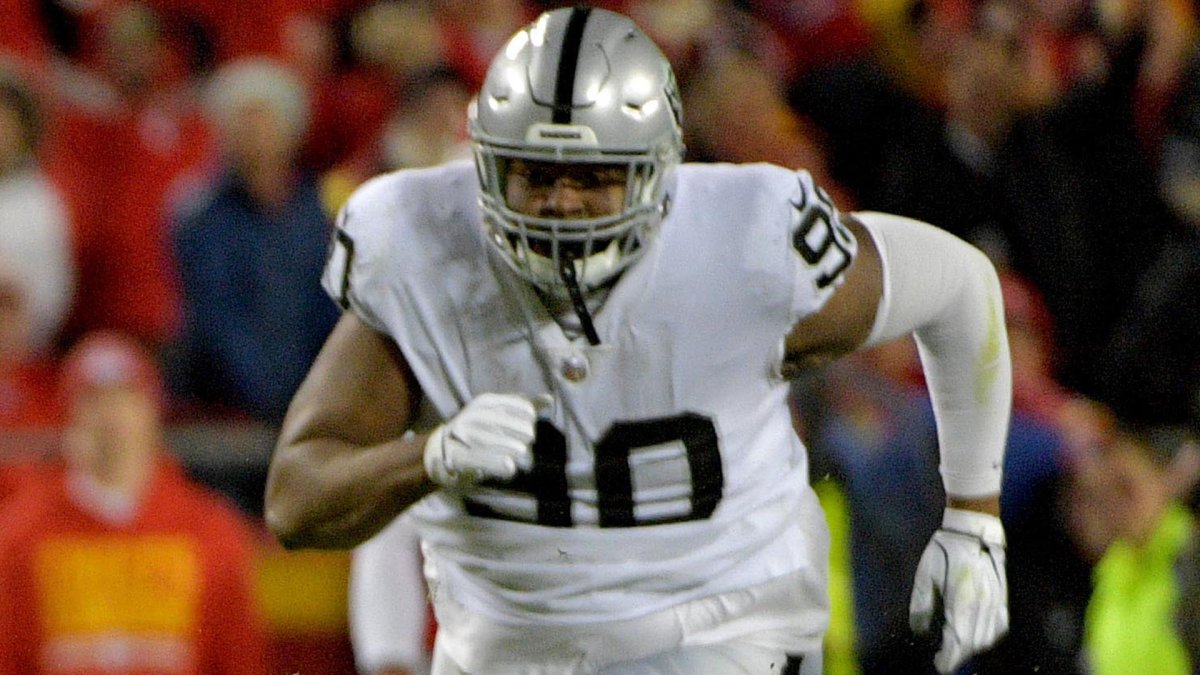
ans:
x=325 y=493
x=947 y=293
x=989 y=505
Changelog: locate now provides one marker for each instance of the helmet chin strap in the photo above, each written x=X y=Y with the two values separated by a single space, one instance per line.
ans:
x=566 y=269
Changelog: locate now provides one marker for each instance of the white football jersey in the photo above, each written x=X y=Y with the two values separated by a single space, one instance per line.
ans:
x=667 y=467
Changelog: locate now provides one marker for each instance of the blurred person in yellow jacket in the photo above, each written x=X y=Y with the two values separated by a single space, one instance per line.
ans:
x=1144 y=611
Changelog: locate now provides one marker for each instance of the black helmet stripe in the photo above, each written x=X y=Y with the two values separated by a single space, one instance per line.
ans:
x=564 y=85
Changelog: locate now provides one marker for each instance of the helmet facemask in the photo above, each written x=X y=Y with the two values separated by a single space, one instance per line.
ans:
x=598 y=246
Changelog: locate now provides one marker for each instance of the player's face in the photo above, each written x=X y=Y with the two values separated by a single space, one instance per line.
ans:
x=553 y=190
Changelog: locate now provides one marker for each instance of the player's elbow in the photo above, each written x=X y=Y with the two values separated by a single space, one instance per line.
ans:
x=283 y=509
x=285 y=524
x=797 y=365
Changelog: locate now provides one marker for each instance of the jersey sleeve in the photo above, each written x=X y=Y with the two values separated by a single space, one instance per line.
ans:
x=403 y=250
x=823 y=247
x=349 y=277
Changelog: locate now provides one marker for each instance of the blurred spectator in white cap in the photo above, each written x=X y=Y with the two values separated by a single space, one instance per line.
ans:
x=250 y=251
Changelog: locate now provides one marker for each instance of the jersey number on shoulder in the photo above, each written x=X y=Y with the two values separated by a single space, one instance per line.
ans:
x=339 y=262
x=616 y=473
x=820 y=237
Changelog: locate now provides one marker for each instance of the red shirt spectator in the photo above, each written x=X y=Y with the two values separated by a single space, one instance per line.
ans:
x=114 y=561
x=130 y=144
x=164 y=589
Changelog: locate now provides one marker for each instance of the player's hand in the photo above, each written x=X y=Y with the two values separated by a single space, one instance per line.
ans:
x=489 y=438
x=962 y=575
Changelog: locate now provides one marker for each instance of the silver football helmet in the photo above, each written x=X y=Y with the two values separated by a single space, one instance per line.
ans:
x=577 y=86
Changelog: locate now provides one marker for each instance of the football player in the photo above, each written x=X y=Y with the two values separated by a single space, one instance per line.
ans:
x=569 y=361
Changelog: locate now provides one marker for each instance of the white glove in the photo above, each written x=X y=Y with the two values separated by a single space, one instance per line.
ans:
x=489 y=438
x=962 y=573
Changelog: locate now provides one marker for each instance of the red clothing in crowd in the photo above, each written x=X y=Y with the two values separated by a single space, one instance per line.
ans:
x=170 y=591
x=15 y=475
x=31 y=416
x=230 y=30
x=234 y=30
x=29 y=398
x=470 y=45
x=124 y=169
x=30 y=419
x=23 y=37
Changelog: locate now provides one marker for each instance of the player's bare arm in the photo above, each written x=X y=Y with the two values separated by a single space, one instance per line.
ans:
x=343 y=468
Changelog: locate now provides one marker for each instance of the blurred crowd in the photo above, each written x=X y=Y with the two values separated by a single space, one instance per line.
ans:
x=170 y=171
